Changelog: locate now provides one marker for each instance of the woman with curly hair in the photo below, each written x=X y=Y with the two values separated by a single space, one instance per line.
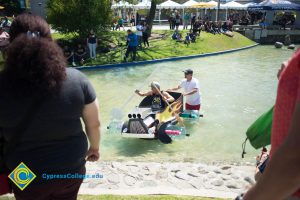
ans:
x=35 y=79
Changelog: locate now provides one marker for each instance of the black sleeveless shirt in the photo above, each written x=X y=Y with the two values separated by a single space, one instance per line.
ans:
x=157 y=103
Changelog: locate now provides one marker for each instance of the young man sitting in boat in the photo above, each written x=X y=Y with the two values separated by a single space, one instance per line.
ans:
x=158 y=102
x=158 y=97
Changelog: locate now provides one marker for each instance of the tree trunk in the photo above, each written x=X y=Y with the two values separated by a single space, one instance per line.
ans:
x=151 y=16
x=218 y=11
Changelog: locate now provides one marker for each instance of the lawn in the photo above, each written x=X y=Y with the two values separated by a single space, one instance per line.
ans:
x=137 y=197
x=162 y=46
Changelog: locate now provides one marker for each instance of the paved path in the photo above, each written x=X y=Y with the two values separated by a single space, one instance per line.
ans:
x=132 y=178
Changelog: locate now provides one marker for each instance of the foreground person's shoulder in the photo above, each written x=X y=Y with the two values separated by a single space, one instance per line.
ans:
x=74 y=73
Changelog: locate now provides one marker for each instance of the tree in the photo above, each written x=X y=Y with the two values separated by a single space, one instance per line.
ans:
x=151 y=14
x=79 y=16
x=152 y=11
x=11 y=7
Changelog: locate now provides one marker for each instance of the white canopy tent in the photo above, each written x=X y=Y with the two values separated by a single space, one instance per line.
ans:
x=121 y=7
x=170 y=5
x=121 y=4
x=250 y=4
x=213 y=2
x=233 y=5
x=143 y=5
x=215 y=5
x=189 y=3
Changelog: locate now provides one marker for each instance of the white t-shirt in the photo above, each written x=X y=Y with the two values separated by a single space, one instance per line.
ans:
x=188 y=86
x=139 y=30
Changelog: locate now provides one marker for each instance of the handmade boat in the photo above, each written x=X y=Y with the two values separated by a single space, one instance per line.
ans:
x=145 y=123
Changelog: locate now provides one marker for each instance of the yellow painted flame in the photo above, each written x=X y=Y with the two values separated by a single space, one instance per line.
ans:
x=171 y=111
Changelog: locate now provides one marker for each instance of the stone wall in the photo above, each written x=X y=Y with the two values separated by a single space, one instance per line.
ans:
x=264 y=36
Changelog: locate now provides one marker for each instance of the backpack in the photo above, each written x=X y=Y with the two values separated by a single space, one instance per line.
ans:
x=259 y=133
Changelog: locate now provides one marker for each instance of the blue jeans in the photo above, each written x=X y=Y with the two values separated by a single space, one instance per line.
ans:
x=92 y=50
x=130 y=49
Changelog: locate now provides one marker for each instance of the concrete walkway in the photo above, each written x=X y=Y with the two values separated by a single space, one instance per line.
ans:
x=142 y=178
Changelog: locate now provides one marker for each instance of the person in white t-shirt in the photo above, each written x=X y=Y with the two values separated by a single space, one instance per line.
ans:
x=139 y=33
x=191 y=90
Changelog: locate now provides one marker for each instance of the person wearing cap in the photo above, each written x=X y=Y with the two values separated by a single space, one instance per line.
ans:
x=159 y=97
x=190 y=86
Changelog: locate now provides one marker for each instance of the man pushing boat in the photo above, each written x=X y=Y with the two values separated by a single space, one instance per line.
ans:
x=190 y=86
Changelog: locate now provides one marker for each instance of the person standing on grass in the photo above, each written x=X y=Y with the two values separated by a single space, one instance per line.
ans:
x=177 y=21
x=132 y=42
x=173 y=21
x=121 y=24
x=92 y=44
x=139 y=33
x=146 y=35
x=190 y=85
x=193 y=20
x=186 y=21
x=132 y=21
x=36 y=81
x=170 y=20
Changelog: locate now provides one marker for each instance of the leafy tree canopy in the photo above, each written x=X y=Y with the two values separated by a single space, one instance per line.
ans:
x=79 y=16
x=11 y=7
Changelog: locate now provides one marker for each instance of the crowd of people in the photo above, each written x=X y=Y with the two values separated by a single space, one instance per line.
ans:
x=198 y=25
x=75 y=55
x=82 y=51
x=284 y=19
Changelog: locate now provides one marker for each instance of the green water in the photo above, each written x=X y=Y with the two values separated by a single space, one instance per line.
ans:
x=236 y=88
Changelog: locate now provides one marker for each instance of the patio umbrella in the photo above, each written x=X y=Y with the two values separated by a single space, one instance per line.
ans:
x=190 y=3
x=213 y=2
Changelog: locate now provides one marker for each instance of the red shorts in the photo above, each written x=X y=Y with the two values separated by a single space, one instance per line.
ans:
x=192 y=107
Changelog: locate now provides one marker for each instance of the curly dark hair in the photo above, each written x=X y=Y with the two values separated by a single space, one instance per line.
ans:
x=34 y=66
x=29 y=22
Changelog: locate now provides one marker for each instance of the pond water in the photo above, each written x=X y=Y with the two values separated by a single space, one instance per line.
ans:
x=236 y=88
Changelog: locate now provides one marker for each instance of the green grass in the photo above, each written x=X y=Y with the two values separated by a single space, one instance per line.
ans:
x=159 y=48
x=164 y=48
x=58 y=36
x=135 y=197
